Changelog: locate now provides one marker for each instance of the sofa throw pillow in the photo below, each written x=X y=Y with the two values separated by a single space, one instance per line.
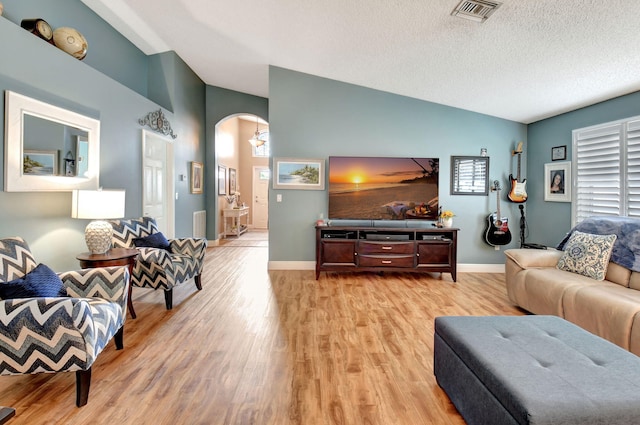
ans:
x=39 y=282
x=587 y=254
x=154 y=240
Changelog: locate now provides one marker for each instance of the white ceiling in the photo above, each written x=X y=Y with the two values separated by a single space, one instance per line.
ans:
x=530 y=60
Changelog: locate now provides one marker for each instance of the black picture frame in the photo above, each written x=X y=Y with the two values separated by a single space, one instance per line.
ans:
x=559 y=153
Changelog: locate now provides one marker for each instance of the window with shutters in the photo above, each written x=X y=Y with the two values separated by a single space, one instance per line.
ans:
x=469 y=175
x=606 y=161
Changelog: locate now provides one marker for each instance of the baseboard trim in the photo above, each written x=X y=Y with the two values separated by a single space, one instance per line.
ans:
x=311 y=265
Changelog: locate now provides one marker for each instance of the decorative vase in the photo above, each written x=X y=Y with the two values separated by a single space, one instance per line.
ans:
x=69 y=40
x=447 y=222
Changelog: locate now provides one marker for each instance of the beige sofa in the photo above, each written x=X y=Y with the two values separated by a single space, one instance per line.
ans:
x=608 y=308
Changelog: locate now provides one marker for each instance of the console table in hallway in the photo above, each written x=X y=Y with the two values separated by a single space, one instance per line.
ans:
x=233 y=221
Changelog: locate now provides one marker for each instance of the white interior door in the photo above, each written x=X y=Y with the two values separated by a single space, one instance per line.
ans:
x=260 y=205
x=157 y=181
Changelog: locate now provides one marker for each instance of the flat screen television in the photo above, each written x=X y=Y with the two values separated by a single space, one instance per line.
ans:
x=377 y=188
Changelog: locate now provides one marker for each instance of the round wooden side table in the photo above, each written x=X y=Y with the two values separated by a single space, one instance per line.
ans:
x=113 y=257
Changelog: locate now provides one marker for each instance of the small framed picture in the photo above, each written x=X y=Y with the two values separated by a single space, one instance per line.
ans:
x=233 y=185
x=40 y=163
x=557 y=182
x=559 y=153
x=222 y=180
x=196 y=177
x=305 y=174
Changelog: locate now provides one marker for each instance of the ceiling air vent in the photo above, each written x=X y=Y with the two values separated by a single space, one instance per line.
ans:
x=475 y=10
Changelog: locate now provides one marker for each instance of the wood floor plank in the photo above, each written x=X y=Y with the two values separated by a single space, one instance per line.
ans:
x=271 y=348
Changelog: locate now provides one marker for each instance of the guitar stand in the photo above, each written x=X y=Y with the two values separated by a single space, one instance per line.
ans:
x=523 y=227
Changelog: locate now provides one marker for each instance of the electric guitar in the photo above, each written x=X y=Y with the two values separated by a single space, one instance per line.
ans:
x=497 y=232
x=518 y=192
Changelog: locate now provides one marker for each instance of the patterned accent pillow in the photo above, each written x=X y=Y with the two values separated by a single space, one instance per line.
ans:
x=587 y=254
x=39 y=282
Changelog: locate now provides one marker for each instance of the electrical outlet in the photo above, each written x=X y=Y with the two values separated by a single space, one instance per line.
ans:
x=279 y=197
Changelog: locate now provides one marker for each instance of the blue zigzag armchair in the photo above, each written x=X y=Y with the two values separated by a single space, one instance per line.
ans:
x=163 y=263
x=66 y=328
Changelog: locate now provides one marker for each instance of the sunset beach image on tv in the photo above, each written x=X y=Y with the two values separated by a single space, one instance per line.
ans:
x=376 y=188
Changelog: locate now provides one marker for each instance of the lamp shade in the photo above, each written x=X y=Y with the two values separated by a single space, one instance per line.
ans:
x=98 y=204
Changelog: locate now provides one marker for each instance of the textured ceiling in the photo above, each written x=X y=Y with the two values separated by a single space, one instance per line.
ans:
x=530 y=60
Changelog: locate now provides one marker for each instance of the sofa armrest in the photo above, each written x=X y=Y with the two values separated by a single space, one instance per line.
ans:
x=52 y=320
x=109 y=283
x=538 y=258
x=193 y=247
x=158 y=256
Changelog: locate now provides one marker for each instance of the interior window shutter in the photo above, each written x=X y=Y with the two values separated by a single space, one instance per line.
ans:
x=633 y=168
x=598 y=171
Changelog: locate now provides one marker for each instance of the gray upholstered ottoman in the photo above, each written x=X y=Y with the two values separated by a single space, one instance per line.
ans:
x=534 y=370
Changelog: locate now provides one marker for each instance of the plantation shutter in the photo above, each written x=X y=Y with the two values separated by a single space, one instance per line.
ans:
x=633 y=168
x=470 y=176
x=607 y=170
x=597 y=165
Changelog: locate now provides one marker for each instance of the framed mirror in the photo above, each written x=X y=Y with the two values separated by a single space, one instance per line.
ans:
x=48 y=148
x=470 y=175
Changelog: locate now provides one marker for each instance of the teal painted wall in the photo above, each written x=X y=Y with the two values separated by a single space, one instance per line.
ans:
x=109 y=52
x=548 y=222
x=44 y=219
x=313 y=117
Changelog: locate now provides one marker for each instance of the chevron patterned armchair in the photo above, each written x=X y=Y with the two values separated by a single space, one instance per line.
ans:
x=59 y=332
x=177 y=261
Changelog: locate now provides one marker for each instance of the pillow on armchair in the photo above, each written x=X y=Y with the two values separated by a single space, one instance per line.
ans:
x=39 y=282
x=154 y=240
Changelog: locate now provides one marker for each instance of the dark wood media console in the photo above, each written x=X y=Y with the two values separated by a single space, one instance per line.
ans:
x=386 y=249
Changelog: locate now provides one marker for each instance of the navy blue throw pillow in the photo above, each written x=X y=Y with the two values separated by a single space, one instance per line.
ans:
x=154 y=240
x=39 y=282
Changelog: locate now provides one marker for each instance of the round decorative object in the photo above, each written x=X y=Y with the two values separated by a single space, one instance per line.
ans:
x=98 y=235
x=39 y=27
x=70 y=41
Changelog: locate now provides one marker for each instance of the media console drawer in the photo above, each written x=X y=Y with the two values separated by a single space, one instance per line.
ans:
x=386 y=247
x=386 y=260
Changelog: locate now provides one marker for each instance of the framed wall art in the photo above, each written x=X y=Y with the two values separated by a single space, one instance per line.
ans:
x=233 y=185
x=305 y=174
x=557 y=182
x=40 y=163
x=197 y=177
x=559 y=153
x=222 y=180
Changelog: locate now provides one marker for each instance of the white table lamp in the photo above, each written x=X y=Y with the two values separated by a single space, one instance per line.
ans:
x=98 y=205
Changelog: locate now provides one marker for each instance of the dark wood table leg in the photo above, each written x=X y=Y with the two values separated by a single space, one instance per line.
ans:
x=132 y=312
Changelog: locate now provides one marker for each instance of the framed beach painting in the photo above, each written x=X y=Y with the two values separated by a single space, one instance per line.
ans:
x=305 y=174
x=40 y=163
x=557 y=182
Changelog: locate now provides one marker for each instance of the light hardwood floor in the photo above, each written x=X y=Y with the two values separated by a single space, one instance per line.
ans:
x=278 y=348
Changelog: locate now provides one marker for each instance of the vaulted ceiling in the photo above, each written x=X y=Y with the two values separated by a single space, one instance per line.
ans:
x=531 y=59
